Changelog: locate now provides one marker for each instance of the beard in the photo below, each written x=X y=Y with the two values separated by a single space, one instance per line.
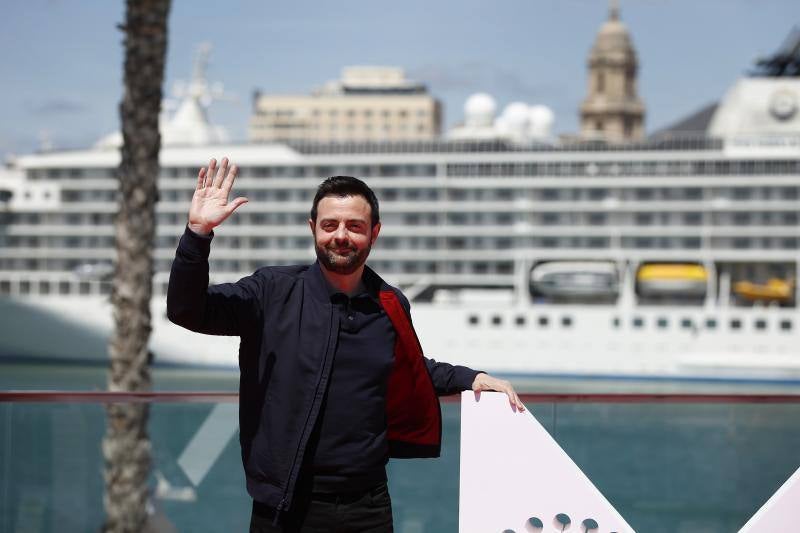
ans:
x=342 y=263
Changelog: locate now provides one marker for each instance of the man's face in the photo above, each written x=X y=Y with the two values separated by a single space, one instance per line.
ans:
x=343 y=233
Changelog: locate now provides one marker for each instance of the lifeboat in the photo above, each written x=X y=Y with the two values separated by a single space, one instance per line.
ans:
x=774 y=290
x=679 y=279
x=575 y=279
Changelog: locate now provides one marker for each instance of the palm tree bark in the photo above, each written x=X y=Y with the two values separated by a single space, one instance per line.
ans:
x=126 y=446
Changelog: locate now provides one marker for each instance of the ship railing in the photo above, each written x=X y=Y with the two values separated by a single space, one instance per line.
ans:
x=666 y=462
x=666 y=141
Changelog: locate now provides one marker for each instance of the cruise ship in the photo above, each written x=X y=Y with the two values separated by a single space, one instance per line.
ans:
x=673 y=257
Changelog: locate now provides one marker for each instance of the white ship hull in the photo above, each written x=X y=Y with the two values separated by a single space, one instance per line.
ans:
x=674 y=343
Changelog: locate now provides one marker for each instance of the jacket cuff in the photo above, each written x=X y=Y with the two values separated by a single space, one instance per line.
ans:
x=469 y=378
x=193 y=246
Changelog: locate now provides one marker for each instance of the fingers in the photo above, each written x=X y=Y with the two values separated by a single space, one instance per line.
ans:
x=486 y=382
x=201 y=179
x=236 y=203
x=219 y=178
x=212 y=168
x=229 y=179
x=513 y=398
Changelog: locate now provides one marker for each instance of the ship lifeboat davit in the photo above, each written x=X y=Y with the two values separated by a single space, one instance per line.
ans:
x=774 y=290
x=678 y=279
x=575 y=279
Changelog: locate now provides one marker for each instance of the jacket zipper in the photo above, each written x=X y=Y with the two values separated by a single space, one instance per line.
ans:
x=280 y=508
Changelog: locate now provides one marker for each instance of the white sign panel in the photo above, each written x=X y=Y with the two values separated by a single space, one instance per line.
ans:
x=780 y=512
x=516 y=478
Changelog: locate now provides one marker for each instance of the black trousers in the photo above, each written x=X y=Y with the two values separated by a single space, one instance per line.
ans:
x=368 y=511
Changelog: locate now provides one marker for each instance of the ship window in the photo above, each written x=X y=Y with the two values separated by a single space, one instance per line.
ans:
x=741 y=193
x=5 y=287
x=615 y=322
x=24 y=287
x=44 y=287
x=736 y=324
x=788 y=193
x=597 y=219
x=786 y=325
x=687 y=323
x=473 y=320
x=597 y=194
x=711 y=323
x=638 y=322
x=549 y=194
x=692 y=219
x=63 y=287
x=520 y=320
x=662 y=323
x=496 y=320
x=543 y=321
x=566 y=321
x=550 y=218
x=761 y=324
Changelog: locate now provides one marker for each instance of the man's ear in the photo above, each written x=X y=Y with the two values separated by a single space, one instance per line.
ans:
x=311 y=225
x=375 y=230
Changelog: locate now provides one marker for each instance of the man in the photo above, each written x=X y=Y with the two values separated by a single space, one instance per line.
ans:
x=333 y=381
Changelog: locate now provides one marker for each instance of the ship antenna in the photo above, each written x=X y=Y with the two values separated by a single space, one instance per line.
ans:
x=198 y=87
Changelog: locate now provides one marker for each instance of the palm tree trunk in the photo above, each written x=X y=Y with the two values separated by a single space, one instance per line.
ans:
x=126 y=446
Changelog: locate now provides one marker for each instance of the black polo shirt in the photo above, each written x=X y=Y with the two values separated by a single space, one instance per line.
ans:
x=349 y=449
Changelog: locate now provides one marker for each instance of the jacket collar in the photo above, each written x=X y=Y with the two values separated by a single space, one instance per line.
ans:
x=318 y=287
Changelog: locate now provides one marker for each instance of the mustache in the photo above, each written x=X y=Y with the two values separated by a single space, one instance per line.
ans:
x=334 y=247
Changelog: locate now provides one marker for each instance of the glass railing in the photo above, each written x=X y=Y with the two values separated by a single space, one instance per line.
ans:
x=666 y=462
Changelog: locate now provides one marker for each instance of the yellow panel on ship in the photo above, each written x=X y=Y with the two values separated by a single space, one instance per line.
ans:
x=667 y=279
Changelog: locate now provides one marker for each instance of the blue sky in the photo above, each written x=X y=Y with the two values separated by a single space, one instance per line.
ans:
x=62 y=59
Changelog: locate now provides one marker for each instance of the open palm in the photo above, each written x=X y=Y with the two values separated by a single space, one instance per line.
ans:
x=210 y=205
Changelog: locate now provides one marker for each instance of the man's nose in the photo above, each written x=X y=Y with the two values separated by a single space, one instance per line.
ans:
x=341 y=233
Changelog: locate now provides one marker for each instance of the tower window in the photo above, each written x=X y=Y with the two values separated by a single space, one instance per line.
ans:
x=601 y=82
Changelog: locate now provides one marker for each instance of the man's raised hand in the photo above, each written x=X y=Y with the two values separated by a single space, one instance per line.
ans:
x=210 y=206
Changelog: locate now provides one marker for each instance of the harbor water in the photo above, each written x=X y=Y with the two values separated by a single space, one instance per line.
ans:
x=665 y=467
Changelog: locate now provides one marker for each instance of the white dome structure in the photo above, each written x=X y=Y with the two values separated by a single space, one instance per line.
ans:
x=519 y=122
x=479 y=110
x=514 y=119
x=540 y=122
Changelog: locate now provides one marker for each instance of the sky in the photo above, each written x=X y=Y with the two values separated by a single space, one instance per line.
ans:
x=62 y=59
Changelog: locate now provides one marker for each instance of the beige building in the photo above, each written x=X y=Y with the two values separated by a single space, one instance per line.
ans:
x=367 y=104
x=612 y=110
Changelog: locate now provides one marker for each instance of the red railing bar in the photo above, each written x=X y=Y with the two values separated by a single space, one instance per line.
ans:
x=220 y=397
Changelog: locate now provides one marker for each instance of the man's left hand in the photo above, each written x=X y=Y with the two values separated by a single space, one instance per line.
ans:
x=486 y=382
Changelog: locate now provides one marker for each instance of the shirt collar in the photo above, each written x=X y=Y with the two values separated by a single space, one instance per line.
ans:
x=367 y=287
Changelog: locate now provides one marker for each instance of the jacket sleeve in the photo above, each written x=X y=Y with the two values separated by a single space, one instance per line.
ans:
x=225 y=309
x=450 y=379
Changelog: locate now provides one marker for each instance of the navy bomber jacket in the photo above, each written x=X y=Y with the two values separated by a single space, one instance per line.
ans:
x=288 y=330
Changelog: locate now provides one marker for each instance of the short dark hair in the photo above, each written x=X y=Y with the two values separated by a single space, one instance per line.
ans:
x=342 y=186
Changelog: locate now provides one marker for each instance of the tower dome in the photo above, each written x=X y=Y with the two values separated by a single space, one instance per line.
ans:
x=613 y=37
x=612 y=110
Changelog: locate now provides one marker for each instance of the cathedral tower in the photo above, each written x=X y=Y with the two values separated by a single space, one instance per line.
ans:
x=612 y=110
